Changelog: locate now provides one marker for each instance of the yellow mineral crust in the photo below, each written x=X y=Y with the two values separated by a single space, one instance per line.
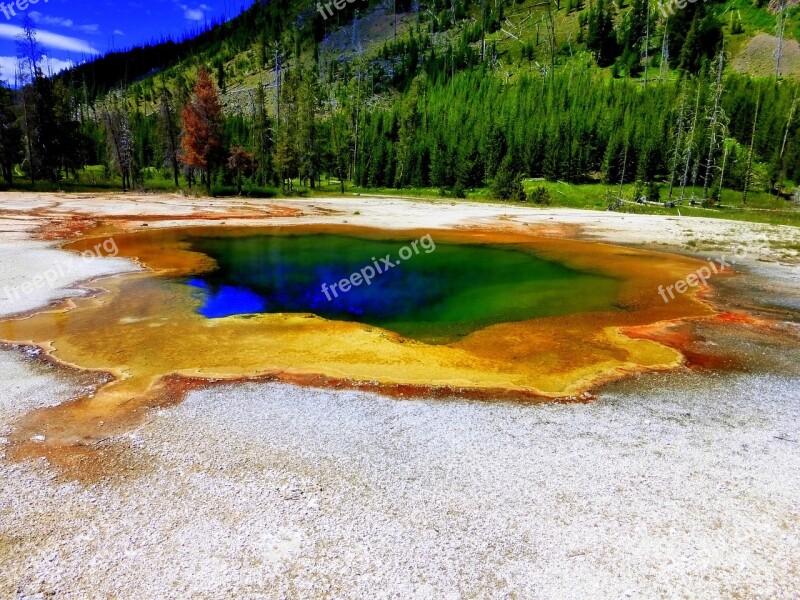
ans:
x=144 y=329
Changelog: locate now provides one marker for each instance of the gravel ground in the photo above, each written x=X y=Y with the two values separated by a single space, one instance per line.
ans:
x=27 y=387
x=47 y=274
x=675 y=485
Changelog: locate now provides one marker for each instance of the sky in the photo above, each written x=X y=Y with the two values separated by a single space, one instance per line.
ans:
x=72 y=31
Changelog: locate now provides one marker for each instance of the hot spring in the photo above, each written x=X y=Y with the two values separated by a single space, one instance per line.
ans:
x=439 y=292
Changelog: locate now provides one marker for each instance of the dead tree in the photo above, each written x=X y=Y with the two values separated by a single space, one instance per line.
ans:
x=780 y=25
x=715 y=119
x=681 y=129
x=118 y=138
x=690 y=146
x=749 y=171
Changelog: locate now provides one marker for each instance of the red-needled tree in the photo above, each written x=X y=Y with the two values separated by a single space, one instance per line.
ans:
x=201 y=143
x=240 y=161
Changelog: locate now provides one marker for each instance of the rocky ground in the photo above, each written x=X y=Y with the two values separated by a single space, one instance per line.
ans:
x=672 y=486
x=668 y=485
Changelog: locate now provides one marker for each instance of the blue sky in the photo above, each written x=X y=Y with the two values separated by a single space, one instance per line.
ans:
x=70 y=30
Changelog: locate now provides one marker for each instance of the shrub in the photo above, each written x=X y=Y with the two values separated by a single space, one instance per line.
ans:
x=540 y=195
x=653 y=192
x=147 y=173
x=507 y=183
x=459 y=191
x=247 y=191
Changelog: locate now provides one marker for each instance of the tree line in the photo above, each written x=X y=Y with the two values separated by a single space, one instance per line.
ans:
x=442 y=118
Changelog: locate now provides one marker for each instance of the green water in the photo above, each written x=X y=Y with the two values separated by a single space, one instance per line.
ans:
x=438 y=294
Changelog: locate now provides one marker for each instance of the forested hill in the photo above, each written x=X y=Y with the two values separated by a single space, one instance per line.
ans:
x=517 y=33
x=684 y=99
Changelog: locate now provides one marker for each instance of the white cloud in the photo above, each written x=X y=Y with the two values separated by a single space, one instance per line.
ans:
x=194 y=14
x=8 y=66
x=55 y=65
x=39 y=18
x=50 y=65
x=51 y=40
x=119 y=32
x=59 y=21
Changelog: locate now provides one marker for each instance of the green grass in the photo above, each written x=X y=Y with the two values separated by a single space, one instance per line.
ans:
x=248 y=191
x=93 y=179
x=753 y=18
x=761 y=207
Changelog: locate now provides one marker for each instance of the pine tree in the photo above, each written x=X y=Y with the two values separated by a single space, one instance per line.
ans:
x=169 y=130
x=409 y=124
x=202 y=128
x=634 y=34
x=339 y=146
x=495 y=149
x=307 y=131
x=601 y=38
x=239 y=161
x=702 y=40
x=221 y=76
x=262 y=139
x=286 y=158
x=10 y=135
x=692 y=50
x=507 y=183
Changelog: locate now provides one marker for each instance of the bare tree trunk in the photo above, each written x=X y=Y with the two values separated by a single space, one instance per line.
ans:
x=28 y=137
x=722 y=171
x=355 y=137
x=750 y=156
x=678 y=142
x=119 y=138
x=169 y=117
x=552 y=30
x=646 y=42
x=780 y=26
x=690 y=146
x=277 y=84
x=551 y=35
x=624 y=165
x=788 y=124
x=713 y=124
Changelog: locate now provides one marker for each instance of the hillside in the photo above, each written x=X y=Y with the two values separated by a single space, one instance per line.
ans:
x=517 y=33
x=456 y=97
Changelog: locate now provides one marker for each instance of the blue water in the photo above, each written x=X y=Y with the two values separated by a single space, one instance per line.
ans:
x=440 y=293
